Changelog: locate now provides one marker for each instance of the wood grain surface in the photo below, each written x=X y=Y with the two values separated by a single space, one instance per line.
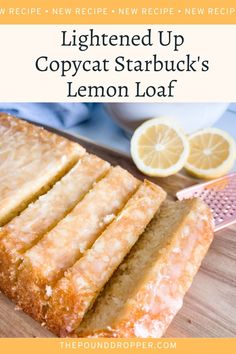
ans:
x=209 y=308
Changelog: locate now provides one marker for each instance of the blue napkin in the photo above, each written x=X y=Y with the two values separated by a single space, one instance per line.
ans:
x=59 y=115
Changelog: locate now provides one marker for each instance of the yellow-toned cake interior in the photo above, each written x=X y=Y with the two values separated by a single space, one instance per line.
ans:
x=80 y=239
x=32 y=160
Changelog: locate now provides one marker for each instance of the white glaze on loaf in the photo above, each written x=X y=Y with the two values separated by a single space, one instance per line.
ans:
x=39 y=217
x=76 y=292
x=31 y=159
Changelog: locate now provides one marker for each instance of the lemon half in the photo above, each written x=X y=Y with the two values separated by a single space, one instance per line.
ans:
x=212 y=153
x=159 y=147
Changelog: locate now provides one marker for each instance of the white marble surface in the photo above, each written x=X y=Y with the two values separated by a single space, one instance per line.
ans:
x=102 y=129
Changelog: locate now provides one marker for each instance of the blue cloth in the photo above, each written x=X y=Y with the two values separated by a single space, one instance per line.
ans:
x=58 y=115
x=92 y=121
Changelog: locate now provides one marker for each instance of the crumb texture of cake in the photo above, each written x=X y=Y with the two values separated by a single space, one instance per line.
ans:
x=87 y=249
x=148 y=288
x=59 y=249
x=75 y=293
x=39 y=217
x=31 y=159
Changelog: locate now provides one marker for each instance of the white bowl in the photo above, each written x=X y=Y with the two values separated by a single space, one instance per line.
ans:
x=190 y=116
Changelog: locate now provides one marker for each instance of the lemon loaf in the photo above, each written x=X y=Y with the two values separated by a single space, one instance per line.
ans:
x=39 y=217
x=85 y=247
x=31 y=160
x=75 y=293
x=44 y=263
x=147 y=289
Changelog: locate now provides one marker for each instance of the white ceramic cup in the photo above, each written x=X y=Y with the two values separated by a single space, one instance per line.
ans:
x=190 y=116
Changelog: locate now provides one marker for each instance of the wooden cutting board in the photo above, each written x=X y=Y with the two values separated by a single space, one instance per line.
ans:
x=209 y=308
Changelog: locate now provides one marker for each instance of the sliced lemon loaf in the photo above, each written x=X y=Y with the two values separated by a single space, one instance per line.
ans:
x=31 y=160
x=39 y=217
x=76 y=292
x=44 y=263
x=147 y=290
x=78 y=257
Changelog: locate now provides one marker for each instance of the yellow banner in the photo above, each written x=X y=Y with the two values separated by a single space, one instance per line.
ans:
x=118 y=12
x=121 y=346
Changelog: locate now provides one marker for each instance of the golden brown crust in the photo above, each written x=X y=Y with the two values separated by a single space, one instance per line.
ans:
x=149 y=312
x=77 y=291
x=67 y=305
x=72 y=236
x=40 y=217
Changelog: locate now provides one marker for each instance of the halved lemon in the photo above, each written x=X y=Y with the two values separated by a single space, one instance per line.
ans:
x=159 y=147
x=212 y=153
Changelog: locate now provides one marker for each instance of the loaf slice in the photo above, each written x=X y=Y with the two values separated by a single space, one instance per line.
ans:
x=25 y=230
x=31 y=160
x=147 y=290
x=59 y=249
x=75 y=293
